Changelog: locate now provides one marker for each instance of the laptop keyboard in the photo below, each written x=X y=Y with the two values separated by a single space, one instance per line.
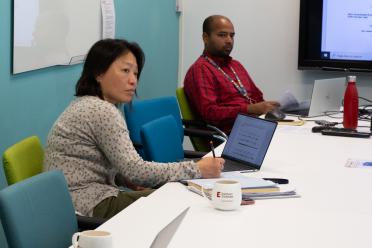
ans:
x=231 y=165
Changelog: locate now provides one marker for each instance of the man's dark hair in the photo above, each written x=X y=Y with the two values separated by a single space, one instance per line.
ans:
x=100 y=56
x=207 y=24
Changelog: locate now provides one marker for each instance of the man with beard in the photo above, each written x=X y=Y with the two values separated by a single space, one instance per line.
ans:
x=217 y=86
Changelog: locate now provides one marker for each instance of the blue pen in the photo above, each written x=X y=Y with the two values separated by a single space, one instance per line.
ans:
x=367 y=164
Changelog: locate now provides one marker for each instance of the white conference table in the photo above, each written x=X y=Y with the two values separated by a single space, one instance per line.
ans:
x=335 y=208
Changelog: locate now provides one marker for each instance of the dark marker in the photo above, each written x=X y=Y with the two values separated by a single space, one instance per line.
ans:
x=212 y=148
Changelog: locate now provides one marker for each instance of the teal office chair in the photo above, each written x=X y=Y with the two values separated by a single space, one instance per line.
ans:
x=161 y=140
x=140 y=112
x=3 y=184
x=38 y=212
x=25 y=159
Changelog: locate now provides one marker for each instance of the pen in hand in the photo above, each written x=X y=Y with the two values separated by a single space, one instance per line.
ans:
x=212 y=148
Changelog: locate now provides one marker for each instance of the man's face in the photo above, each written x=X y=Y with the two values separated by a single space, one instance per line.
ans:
x=220 y=41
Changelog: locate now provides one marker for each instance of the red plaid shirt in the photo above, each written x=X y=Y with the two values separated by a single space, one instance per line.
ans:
x=213 y=97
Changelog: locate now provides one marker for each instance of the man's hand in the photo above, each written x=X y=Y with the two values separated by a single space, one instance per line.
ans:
x=262 y=107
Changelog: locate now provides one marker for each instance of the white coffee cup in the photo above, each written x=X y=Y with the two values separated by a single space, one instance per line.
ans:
x=92 y=239
x=226 y=195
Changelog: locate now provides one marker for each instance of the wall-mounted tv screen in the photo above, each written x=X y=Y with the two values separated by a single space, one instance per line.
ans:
x=335 y=35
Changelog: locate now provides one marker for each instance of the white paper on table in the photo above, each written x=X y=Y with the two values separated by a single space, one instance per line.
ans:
x=288 y=101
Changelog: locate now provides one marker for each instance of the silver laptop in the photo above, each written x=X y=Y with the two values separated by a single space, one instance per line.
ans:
x=248 y=143
x=327 y=96
x=165 y=236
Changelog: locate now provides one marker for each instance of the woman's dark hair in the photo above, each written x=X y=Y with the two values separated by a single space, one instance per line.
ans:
x=100 y=56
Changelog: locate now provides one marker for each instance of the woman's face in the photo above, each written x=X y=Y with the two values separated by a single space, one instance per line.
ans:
x=119 y=82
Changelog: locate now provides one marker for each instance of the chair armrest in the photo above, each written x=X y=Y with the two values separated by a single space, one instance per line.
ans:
x=197 y=123
x=193 y=154
x=220 y=132
x=195 y=132
x=137 y=145
x=201 y=133
x=202 y=124
x=89 y=223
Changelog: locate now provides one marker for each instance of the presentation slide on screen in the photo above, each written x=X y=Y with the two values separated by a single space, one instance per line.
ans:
x=347 y=30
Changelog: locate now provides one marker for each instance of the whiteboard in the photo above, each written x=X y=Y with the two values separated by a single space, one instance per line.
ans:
x=53 y=32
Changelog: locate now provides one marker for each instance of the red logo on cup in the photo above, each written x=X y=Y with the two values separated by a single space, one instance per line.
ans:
x=218 y=194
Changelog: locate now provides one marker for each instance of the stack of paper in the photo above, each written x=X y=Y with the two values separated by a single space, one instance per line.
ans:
x=288 y=102
x=248 y=184
x=252 y=187
x=285 y=191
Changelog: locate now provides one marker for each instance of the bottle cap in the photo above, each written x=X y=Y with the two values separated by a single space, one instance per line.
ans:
x=351 y=78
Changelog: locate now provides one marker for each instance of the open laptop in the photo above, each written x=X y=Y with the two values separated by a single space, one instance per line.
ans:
x=248 y=142
x=327 y=96
x=165 y=236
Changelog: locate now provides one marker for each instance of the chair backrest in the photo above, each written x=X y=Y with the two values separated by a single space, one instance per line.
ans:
x=3 y=184
x=184 y=105
x=144 y=111
x=38 y=212
x=199 y=144
x=23 y=160
x=161 y=140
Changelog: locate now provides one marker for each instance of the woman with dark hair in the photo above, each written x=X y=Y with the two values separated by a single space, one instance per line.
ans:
x=90 y=141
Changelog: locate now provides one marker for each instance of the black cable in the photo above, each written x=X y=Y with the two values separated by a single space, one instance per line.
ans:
x=365 y=99
x=326 y=113
x=365 y=117
x=330 y=113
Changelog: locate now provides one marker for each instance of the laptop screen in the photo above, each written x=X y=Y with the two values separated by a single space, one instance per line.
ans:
x=249 y=140
x=327 y=95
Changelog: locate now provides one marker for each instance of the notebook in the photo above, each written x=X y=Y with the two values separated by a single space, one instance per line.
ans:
x=327 y=96
x=248 y=143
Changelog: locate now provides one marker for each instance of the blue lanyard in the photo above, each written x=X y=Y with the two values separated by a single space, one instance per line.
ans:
x=237 y=84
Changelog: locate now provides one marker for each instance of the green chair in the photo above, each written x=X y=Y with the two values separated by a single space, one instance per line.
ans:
x=23 y=160
x=38 y=212
x=200 y=143
x=185 y=108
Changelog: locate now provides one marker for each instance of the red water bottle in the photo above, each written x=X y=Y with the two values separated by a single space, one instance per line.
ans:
x=351 y=104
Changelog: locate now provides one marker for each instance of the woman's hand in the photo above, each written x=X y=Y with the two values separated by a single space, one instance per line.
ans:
x=210 y=167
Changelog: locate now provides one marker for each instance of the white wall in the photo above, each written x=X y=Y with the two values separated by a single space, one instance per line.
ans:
x=266 y=44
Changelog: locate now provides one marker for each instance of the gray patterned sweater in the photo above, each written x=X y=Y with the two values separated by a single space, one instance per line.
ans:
x=90 y=143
